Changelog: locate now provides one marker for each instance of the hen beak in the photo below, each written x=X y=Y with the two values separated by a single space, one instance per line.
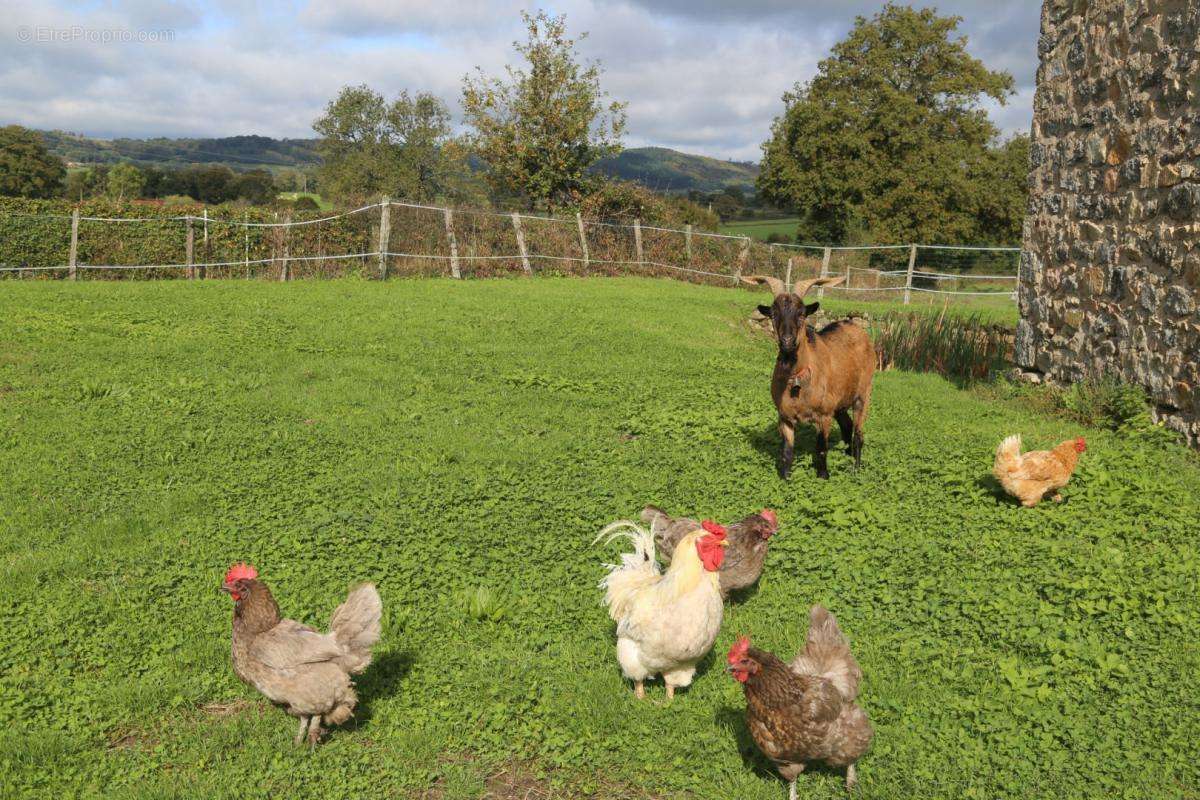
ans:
x=226 y=588
x=723 y=542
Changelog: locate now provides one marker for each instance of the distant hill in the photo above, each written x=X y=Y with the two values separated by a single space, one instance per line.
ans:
x=656 y=168
x=238 y=152
x=665 y=170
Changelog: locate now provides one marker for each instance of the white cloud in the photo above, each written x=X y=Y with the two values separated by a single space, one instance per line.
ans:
x=698 y=75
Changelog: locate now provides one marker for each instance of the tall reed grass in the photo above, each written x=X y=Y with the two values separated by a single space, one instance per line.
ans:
x=964 y=349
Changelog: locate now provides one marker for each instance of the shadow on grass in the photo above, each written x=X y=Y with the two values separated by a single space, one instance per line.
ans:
x=381 y=680
x=734 y=721
x=992 y=486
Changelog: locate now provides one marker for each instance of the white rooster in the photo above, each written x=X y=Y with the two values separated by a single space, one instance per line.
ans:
x=666 y=622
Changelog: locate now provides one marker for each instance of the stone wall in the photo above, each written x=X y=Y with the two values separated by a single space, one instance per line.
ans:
x=1110 y=276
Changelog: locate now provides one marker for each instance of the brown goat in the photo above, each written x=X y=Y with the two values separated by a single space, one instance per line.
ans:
x=819 y=375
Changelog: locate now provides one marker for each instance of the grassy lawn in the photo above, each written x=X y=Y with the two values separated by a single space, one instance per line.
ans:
x=435 y=436
x=761 y=228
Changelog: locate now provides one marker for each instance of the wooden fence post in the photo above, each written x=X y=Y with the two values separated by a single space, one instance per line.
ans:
x=246 y=231
x=516 y=218
x=189 y=250
x=787 y=277
x=582 y=240
x=847 y=284
x=385 y=236
x=912 y=261
x=742 y=259
x=287 y=233
x=207 y=260
x=74 y=255
x=824 y=270
x=687 y=242
x=637 y=239
x=454 y=270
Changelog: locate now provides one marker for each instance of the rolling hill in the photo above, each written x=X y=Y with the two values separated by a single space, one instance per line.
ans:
x=657 y=168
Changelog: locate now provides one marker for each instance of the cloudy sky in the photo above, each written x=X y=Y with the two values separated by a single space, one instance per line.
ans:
x=699 y=75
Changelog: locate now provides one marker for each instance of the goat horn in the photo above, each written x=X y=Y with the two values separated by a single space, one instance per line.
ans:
x=803 y=286
x=776 y=285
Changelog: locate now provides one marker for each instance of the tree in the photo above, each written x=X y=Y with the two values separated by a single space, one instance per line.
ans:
x=539 y=132
x=889 y=137
x=256 y=186
x=83 y=183
x=125 y=181
x=27 y=169
x=404 y=149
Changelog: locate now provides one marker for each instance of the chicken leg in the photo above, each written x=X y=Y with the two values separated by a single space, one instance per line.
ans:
x=670 y=692
x=792 y=789
x=314 y=730
x=639 y=691
x=300 y=733
x=851 y=778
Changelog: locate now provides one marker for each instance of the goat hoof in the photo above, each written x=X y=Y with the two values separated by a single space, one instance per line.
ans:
x=823 y=473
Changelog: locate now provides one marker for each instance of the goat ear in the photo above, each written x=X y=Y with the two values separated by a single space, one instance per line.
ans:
x=764 y=310
x=811 y=308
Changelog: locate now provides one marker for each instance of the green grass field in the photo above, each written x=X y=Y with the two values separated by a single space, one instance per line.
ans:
x=437 y=436
x=761 y=228
x=321 y=202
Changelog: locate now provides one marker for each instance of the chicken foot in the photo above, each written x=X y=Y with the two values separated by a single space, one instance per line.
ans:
x=639 y=691
x=314 y=730
x=851 y=778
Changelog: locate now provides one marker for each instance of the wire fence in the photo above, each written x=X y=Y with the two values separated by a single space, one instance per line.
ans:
x=391 y=238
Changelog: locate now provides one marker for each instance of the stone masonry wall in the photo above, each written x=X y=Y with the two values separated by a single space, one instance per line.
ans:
x=1110 y=274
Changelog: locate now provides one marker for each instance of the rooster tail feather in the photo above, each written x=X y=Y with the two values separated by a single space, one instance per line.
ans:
x=356 y=626
x=827 y=654
x=1008 y=456
x=636 y=570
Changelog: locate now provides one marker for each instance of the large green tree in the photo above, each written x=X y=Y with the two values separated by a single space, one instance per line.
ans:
x=890 y=141
x=540 y=130
x=27 y=169
x=404 y=148
x=125 y=182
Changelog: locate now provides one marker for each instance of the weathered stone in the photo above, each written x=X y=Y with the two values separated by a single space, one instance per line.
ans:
x=1114 y=225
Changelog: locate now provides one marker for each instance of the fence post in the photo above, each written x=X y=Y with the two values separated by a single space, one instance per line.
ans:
x=287 y=233
x=454 y=270
x=516 y=218
x=204 y=270
x=743 y=257
x=246 y=231
x=824 y=269
x=385 y=235
x=637 y=240
x=687 y=242
x=912 y=261
x=582 y=240
x=847 y=284
x=787 y=276
x=71 y=262
x=189 y=249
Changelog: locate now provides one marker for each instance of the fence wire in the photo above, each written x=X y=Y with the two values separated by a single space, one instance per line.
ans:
x=408 y=239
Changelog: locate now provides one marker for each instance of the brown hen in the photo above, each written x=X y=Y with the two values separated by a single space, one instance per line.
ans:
x=305 y=671
x=744 y=556
x=806 y=712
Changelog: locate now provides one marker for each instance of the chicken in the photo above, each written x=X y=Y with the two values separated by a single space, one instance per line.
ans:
x=666 y=622
x=744 y=556
x=806 y=711
x=305 y=671
x=1031 y=476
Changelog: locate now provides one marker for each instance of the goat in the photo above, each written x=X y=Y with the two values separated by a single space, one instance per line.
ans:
x=819 y=375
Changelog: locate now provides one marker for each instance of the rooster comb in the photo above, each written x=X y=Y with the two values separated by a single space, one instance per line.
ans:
x=770 y=517
x=713 y=528
x=240 y=571
x=739 y=649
